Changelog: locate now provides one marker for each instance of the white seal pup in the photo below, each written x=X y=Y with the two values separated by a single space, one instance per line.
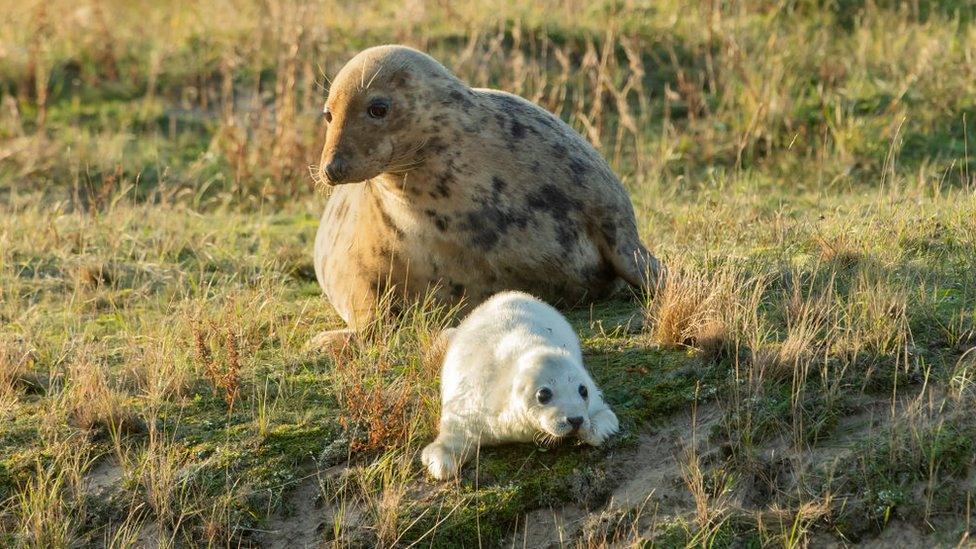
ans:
x=513 y=371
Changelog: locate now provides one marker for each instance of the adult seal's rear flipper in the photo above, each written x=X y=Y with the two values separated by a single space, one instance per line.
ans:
x=614 y=228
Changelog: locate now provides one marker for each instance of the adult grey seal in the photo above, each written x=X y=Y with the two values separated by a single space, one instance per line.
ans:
x=462 y=192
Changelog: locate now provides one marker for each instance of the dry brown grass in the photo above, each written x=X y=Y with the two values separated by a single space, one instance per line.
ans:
x=48 y=511
x=152 y=372
x=387 y=378
x=218 y=354
x=160 y=471
x=91 y=402
x=696 y=308
x=16 y=371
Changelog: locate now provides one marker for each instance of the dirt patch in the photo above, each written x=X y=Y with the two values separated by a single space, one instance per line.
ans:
x=650 y=488
x=550 y=527
x=307 y=515
x=652 y=472
x=647 y=477
x=897 y=534
x=300 y=522
x=103 y=478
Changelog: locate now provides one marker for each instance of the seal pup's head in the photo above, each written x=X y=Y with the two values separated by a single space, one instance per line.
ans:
x=378 y=112
x=554 y=393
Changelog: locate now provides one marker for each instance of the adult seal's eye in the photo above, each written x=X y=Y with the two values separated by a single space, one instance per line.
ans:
x=378 y=108
x=328 y=115
x=544 y=395
x=583 y=392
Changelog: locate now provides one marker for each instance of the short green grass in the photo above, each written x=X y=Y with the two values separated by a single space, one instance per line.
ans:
x=805 y=168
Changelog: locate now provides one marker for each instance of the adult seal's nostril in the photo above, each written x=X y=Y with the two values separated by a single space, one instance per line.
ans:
x=575 y=422
x=335 y=169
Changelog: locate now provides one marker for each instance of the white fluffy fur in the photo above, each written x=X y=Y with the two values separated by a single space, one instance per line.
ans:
x=497 y=360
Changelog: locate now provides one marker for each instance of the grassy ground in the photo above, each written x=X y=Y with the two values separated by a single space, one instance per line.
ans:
x=805 y=168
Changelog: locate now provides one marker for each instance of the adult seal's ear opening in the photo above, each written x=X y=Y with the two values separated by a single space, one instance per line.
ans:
x=446 y=190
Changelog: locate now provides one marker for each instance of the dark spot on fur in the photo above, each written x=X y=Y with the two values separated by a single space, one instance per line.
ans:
x=567 y=236
x=559 y=150
x=483 y=225
x=457 y=290
x=552 y=200
x=439 y=220
x=390 y=224
x=492 y=218
x=577 y=166
x=518 y=130
x=461 y=99
x=526 y=111
x=443 y=186
x=498 y=184
x=435 y=145
x=401 y=79
x=577 y=169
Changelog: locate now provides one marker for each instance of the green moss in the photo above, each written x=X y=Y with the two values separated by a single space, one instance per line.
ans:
x=465 y=517
x=891 y=470
x=731 y=532
x=646 y=383
x=507 y=482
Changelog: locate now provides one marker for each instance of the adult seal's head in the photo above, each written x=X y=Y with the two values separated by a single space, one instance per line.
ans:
x=375 y=103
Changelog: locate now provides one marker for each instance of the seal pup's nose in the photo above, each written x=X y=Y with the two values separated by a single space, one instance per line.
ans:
x=335 y=169
x=576 y=422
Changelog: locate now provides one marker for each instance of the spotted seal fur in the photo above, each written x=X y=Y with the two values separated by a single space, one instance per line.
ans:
x=439 y=187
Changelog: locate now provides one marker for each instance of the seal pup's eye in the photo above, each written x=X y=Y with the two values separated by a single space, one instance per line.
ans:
x=544 y=395
x=378 y=108
x=583 y=392
x=327 y=114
